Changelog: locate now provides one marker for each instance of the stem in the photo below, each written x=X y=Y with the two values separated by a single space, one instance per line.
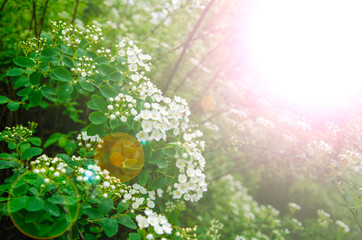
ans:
x=34 y=17
x=349 y=206
x=43 y=17
x=196 y=66
x=75 y=11
x=3 y=5
x=187 y=44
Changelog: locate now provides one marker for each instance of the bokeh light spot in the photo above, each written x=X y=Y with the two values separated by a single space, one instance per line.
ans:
x=122 y=155
x=208 y=103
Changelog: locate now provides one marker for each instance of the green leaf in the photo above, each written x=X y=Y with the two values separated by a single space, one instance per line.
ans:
x=98 y=118
x=4 y=99
x=49 y=52
x=68 y=160
x=106 y=69
x=110 y=227
x=93 y=213
x=101 y=60
x=68 y=62
x=106 y=206
x=115 y=76
x=52 y=209
x=17 y=203
x=81 y=52
x=35 y=141
x=24 y=62
x=115 y=123
x=31 y=152
x=52 y=139
x=63 y=199
x=21 y=82
x=172 y=217
x=65 y=91
x=86 y=85
x=35 y=97
x=126 y=221
x=63 y=74
x=35 y=78
x=134 y=236
x=7 y=164
x=121 y=207
x=13 y=106
x=93 y=129
x=170 y=152
x=159 y=182
x=7 y=156
x=31 y=217
x=100 y=104
x=142 y=178
x=107 y=92
x=34 y=204
x=158 y=158
x=15 y=72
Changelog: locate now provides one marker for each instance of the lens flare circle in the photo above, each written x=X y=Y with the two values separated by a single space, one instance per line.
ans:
x=122 y=155
x=34 y=224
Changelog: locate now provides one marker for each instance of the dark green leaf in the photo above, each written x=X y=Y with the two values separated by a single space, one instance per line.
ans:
x=31 y=217
x=49 y=52
x=126 y=221
x=52 y=139
x=15 y=72
x=35 y=78
x=13 y=106
x=106 y=206
x=52 y=209
x=121 y=207
x=31 y=152
x=33 y=204
x=110 y=227
x=107 y=92
x=63 y=199
x=134 y=236
x=100 y=104
x=24 y=62
x=35 y=97
x=98 y=118
x=17 y=203
x=63 y=74
x=21 y=82
x=172 y=217
x=101 y=60
x=68 y=160
x=7 y=164
x=65 y=91
x=67 y=62
x=106 y=69
x=93 y=213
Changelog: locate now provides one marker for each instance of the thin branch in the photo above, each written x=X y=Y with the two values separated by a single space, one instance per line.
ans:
x=3 y=5
x=349 y=206
x=43 y=17
x=200 y=63
x=75 y=11
x=34 y=18
x=187 y=43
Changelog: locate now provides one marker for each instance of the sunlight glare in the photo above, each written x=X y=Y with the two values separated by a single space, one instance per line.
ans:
x=307 y=51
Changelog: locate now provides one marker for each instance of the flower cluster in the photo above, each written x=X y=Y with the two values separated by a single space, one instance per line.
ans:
x=121 y=107
x=158 y=222
x=350 y=158
x=33 y=44
x=88 y=142
x=342 y=225
x=213 y=232
x=18 y=133
x=323 y=218
x=85 y=68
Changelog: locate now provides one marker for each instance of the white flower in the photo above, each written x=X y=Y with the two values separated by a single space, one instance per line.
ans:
x=182 y=178
x=112 y=117
x=142 y=136
x=46 y=180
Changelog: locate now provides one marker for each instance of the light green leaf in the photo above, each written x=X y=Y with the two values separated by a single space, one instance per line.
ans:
x=4 y=99
x=7 y=164
x=31 y=152
x=115 y=76
x=34 y=204
x=121 y=207
x=24 y=62
x=65 y=91
x=35 y=141
x=49 y=52
x=126 y=221
x=100 y=104
x=159 y=182
x=86 y=85
x=107 y=92
x=63 y=74
x=15 y=72
x=97 y=117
